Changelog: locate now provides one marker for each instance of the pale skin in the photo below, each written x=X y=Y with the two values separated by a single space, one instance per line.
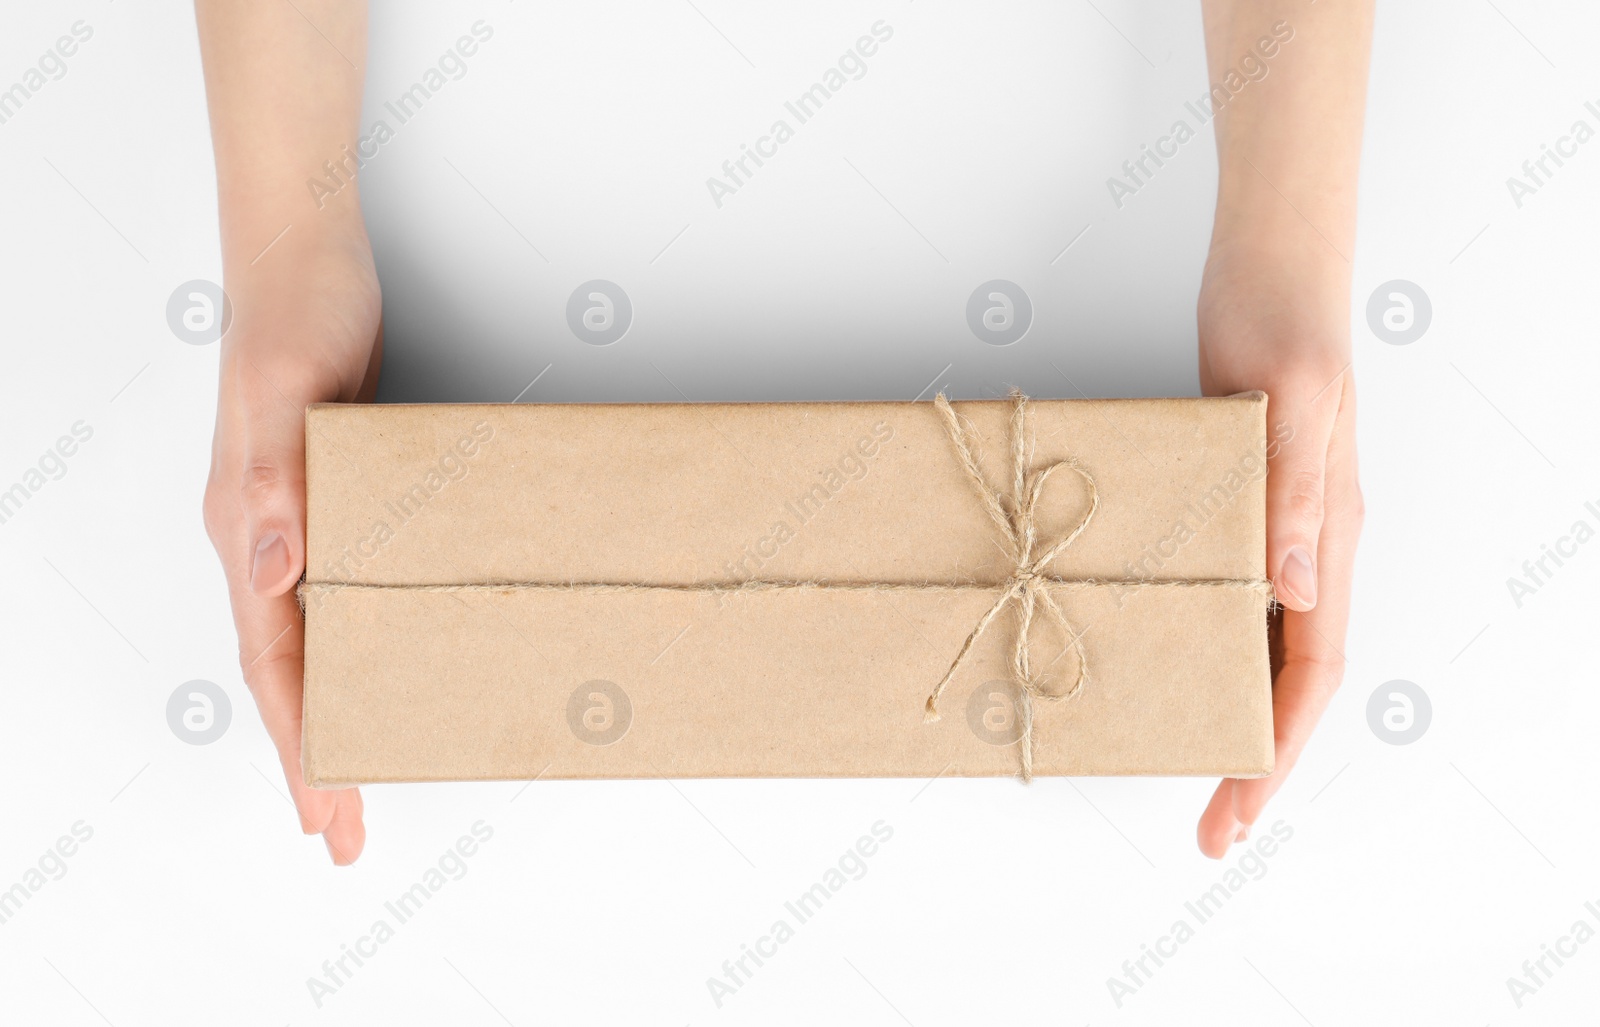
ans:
x=1273 y=315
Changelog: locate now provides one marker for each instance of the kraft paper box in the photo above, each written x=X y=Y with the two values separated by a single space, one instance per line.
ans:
x=778 y=590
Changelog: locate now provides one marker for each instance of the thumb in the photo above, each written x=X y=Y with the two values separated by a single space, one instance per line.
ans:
x=274 y=486
x=1297 y=456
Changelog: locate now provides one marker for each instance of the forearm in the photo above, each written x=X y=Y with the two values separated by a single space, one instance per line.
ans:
x=1289 y=143
x=283 y=84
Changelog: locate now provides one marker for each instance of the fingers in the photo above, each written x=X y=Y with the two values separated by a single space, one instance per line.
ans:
x=271 y=657
x=259 y=528
x=1218 y=827
x=345 y=834
x=273 y=495
x=1300 y=417
x=1314 y=659
x=1313 y=642
x=273 y=490
x=1299 y=697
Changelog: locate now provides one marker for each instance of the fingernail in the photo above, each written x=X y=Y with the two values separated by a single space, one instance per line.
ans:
x=1244 y=832
x=271 y=562
x=1298 y=578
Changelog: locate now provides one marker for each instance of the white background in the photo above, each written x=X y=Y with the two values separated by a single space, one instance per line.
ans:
x=1418 y=878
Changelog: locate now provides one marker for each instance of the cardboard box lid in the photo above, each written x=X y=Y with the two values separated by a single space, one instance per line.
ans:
x=696 y=493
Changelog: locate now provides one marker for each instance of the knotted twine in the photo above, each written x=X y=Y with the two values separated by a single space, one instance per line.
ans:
x=1028 y=586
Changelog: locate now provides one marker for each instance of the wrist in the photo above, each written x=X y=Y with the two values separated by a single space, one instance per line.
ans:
x=1293 y=213
x=1265 y=249
x=262 y=240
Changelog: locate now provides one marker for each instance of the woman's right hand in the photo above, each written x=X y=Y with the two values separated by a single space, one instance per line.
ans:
x=307 y=328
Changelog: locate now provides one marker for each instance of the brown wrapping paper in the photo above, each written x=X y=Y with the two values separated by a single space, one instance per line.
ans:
x=416 y=669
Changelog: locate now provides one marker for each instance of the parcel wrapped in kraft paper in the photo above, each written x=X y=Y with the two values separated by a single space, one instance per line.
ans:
x=985 y=588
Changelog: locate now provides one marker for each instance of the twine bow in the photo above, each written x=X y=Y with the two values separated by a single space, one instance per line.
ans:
x=1028 y=585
